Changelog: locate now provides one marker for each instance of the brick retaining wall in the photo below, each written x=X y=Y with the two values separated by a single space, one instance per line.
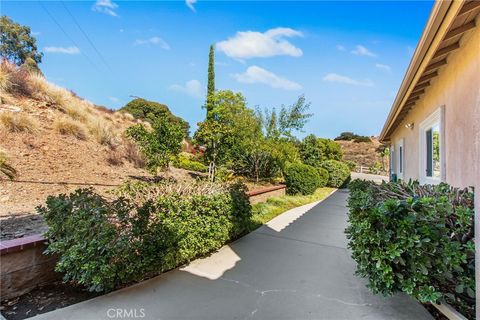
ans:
x=23 y=266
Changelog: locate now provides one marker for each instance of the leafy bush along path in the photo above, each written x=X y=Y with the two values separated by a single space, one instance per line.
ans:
x=303 y=271
x=415 y=239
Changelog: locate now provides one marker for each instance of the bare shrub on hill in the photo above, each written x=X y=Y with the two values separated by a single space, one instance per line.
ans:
x=68 y=126
x=18 y=122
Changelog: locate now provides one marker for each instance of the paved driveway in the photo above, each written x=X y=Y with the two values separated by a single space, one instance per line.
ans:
x=296 y=267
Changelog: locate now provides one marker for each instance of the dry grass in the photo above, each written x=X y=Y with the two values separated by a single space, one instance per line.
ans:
x=127 y=116
x=16 y=82
x=48 y=92
x=67 y=126
x=5 y=82
x=132 y=154
x=103 y=132
x=18 y=122
x=115 y=158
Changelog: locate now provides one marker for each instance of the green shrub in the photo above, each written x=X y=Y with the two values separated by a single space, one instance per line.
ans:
x=314 y=151
x=323 y=173
x=159 y=145
x=186 y=163
x=359 y=139
x=302 y=179
x=102 y=245
x=348 y=136
x=415 y=239
x=351 y=165
x=152 y=111
x=338 y=173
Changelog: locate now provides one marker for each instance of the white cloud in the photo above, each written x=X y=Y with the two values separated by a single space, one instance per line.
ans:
x=114 y=99
x=341 y=48
x=190 y=4
x=153 y=41
x=383 y=67
x=256 y=74
x=333 y=77
x=362 y=51
x=192 y=87
x=36 y=33
x=252 y=44
x=105 y=6
x=64 y=50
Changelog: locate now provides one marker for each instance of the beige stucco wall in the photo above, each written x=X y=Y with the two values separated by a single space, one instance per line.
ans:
x=458 y=89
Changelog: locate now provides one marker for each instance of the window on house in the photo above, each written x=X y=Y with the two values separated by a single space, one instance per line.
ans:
x=432 y=140
x=400 y=159
x=431 y=147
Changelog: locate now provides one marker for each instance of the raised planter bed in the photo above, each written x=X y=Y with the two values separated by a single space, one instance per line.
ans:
x=261 y=195
x=24 y=266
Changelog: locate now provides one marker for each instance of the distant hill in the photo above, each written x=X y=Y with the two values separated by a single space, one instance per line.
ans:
x=364 y=153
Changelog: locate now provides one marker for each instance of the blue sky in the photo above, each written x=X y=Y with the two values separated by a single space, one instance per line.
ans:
x=348 y=58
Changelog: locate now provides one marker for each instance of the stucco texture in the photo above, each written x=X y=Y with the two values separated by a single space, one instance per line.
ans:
x=458 y=89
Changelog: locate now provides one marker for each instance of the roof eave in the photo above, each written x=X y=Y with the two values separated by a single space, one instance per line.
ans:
x=435 y=20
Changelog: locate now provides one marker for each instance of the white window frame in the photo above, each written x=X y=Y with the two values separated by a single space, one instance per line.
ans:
x=436 y=118
x=393 y=168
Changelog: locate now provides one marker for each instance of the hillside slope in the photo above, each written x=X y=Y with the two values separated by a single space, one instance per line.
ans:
x=364 y=153
x=58 y=142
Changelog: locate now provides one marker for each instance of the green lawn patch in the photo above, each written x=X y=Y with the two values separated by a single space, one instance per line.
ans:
x=266 y=211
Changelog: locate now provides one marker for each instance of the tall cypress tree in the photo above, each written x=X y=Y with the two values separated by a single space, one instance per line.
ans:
x=211 y=81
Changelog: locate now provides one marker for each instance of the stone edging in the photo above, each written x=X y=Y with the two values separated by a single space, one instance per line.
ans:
x=19 y=244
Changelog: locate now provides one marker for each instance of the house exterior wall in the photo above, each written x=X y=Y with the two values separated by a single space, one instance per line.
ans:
x=457 y=88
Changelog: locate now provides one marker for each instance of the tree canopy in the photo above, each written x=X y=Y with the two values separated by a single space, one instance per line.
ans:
x=287 y=121
x=151 y=111
x=160 y=144
x=17 y=44
x=211 y=81
x=314 y=151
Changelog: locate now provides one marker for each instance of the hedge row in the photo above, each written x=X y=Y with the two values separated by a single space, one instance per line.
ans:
x=104 y=244
x=416 y=239
x=338 y=173
x=304 y=179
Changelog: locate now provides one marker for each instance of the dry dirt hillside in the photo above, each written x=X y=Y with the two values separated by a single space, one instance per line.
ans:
x=364 y=153
x=57 y=142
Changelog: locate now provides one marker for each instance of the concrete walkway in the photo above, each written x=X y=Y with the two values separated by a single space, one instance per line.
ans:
x=296 y=267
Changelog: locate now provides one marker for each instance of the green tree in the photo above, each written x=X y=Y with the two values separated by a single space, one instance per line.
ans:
x=384 y=152
x=229 y=131
x=17 y=44
x=151 y=111
x=216 y=138
x=315 y=150
x=158 y=145
x=210 y=103
x=288 y=120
